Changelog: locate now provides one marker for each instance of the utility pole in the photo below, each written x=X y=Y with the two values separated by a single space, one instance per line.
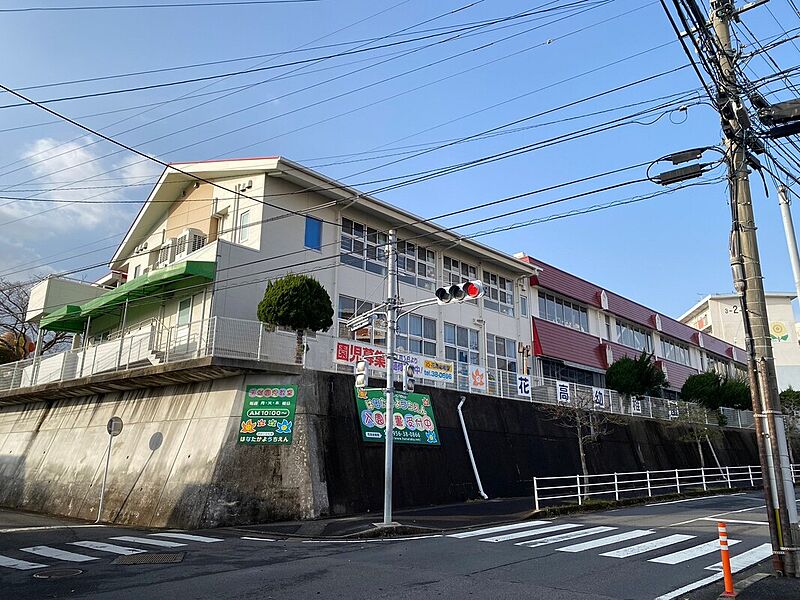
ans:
x=748 y=281
x=791 y=239
x=391 y=348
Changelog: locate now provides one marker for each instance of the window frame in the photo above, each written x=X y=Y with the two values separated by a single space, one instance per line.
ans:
x=244 y=226
x=316 y=233
x=549 y=311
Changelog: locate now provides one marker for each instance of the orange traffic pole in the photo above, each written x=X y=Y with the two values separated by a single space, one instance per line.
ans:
x=726 y=560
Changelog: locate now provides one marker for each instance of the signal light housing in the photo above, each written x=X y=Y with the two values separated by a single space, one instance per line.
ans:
x=408 y=378
x=361 y=370
x=469 y=290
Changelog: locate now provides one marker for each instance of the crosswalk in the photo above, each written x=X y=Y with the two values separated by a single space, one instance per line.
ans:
x=652 y=545
x=77 y=552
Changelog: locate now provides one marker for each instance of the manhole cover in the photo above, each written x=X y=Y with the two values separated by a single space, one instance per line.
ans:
x=57 y=573
x=155 y=558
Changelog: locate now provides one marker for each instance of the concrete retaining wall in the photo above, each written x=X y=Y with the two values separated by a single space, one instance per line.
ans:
x=177 y=464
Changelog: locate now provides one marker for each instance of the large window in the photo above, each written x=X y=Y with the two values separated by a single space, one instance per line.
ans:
x=363 y=247
x=417 y=334
x=457 y=271
x=676 y=352
x=501 y=353
x=717 y=364
x=313 y=233
x=563 y=312
x=555 y=370
x=372 y=334
x=499 y=293
x=634 y=337
x=461 y=344
x=416 y=265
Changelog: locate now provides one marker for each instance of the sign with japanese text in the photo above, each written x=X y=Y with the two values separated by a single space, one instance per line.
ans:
x=598 y=397
x=414 y=422
x=438 y=370
x=477 y=379
x=268 y=414
x=524 y=386
x=349 y=352
x=563 y=395
x=672 y=408
x=636 y=405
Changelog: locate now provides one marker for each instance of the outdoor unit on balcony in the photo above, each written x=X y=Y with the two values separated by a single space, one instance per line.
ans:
x=189 y=241
x=166 y=254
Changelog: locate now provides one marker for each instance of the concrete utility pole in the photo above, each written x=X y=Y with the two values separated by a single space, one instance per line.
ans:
x=791 y=239
x=391 y=348
x=748 y=281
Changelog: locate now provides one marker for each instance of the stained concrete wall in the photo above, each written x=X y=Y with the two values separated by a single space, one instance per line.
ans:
x=177 y=463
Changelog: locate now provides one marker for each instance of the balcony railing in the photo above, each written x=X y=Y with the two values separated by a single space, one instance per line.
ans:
x=151 y=343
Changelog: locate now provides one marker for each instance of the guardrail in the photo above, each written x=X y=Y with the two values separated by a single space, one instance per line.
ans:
x=637 y=484
x=151 y=343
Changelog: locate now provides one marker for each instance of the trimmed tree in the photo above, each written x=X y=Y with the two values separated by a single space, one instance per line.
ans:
x=636 y=377
x=297 y=302
x=713 y=391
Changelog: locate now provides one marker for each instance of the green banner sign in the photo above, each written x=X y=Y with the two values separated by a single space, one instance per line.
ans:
x=268 y=414
x=414 y=422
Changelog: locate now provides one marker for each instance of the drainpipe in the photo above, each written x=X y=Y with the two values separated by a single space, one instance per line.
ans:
x=469 y=449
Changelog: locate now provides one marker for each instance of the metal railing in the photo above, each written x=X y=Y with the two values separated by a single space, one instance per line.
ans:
x=153 y=343
x=569 y=489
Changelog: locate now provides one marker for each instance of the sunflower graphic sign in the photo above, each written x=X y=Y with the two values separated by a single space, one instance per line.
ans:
x=778 y=331
x=268 y=415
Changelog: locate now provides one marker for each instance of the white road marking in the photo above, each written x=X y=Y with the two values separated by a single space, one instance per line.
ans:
x=554 y=539
x=690 y=587
x=257 y=539
x=607 y=541
x=736 y=521
x=722 y=514
x=513 y=526
x=695 y=499
x=58 y=554
x=690 y=553
x=22 y=565
x=530 y=532
x=149 y=541
x=103 y=547
x=188 y=537
x=648 y=546
x=47 y=528
x=402 y=539
x=741 y=561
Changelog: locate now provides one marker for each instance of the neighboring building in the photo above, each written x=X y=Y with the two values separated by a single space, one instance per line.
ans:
x=581 y=328
x=721 y=315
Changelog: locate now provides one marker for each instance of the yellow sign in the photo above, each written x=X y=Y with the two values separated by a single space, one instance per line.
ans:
x=778 y=331
x=439 y=370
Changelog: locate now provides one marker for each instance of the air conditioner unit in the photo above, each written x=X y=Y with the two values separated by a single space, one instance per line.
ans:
x=189 y=241
x=166 y=255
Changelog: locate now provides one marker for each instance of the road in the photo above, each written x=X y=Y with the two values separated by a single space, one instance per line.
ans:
x=635 y=553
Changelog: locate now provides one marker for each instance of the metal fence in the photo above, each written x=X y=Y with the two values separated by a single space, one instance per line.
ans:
x=151 y=343
x=578 y=489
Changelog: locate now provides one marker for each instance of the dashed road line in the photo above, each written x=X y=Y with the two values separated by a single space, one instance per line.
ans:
x=607 y=541
x=690 y=553
x=648 y=546
x=512 y=527
x=104 y=547
x=554 y=539
x=189 y=537
x=58 y=554
x=149 y=541
x=530 y=532
x=22 y=565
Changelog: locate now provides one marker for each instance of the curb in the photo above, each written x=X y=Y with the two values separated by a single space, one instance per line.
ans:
x=745 y=583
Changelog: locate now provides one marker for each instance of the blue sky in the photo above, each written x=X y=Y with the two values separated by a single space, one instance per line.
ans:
x=665 y=252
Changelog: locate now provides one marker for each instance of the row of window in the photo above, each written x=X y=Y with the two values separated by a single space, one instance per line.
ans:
x=676 y=352
x=563 y=312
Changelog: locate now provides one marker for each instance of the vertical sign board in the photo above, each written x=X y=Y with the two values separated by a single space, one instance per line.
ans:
x=563 y=395
x=598 y=398
x=268 y=415
x=524 y=386
x=636 y=405
x=477 y=379
x=414 y=422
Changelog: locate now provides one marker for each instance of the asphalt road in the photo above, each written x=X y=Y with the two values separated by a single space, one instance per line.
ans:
x=636 y=553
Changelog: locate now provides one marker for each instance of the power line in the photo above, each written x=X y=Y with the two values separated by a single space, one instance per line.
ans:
x=28 y=9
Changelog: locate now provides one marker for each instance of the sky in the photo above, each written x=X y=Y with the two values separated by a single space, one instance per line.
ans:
x=416 y=76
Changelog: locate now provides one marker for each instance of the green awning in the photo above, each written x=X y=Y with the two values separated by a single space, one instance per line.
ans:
x=175 y=277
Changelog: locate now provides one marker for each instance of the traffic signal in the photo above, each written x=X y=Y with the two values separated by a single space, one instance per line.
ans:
x=469 y=290
x=408 y=378
x=362 y=373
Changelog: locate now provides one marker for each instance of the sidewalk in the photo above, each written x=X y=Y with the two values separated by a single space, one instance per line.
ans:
x=433 y=518
x=771 y=588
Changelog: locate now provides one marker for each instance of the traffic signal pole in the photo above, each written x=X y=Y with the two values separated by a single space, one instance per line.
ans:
x=391 y=348
x=748 y=281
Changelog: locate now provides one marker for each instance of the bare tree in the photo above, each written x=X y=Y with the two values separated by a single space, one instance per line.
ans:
x=693 y=419
x=587 y=416
x=16 y=335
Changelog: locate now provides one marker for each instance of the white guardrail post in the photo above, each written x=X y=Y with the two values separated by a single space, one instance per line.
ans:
x=616 y=487
x=677 y=481
x=535 y=494
x=703 y=475
x=649 y=489
x=578 y=480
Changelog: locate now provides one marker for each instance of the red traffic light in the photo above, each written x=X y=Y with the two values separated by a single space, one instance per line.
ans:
x=469 y=290
x=473 y=289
